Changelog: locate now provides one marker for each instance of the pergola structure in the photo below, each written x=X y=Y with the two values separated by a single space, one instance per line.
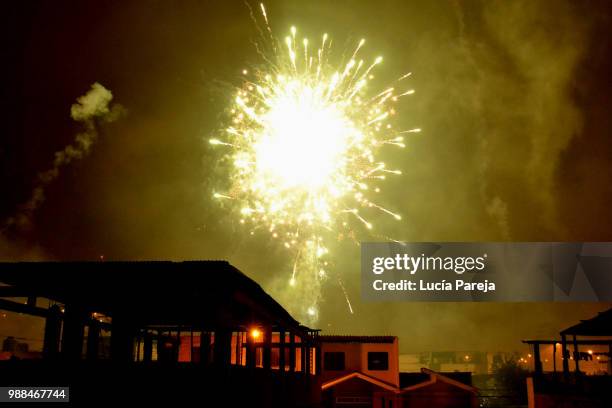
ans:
x=598 y=328
x=200 y=313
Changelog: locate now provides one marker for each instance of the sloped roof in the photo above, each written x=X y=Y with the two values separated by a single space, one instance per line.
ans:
x=356 y=339
x=160 y=292
x=358 y=374
x=409 y=379
x=600 y=325
x=427 y=378
x=436 y=377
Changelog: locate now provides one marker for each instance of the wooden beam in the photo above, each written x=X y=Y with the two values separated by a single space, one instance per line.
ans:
x=15 y=291
x=592 y=342
x=17 y=307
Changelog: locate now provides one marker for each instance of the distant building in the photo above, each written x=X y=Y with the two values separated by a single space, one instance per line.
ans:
x=363 y=371
x=475 y=362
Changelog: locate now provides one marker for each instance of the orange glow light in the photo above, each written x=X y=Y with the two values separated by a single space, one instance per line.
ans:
x=256 y=334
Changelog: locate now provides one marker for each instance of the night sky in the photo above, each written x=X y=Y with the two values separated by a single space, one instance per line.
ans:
x=513 y=98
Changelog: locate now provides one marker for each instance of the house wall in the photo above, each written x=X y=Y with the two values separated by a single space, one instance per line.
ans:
x=392 y=374
x=352 y=358
x=356 y=359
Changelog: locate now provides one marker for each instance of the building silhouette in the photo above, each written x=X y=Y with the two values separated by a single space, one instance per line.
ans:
x=153 y=331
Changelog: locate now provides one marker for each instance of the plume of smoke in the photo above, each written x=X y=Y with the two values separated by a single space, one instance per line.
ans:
x=517 y=66
x=545 y=48
x=90 y=109
x=93 y=103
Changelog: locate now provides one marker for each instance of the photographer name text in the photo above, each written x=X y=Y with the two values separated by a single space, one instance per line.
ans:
x=433 y=286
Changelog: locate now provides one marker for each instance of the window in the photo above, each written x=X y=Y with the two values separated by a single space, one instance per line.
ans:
x=333 y=361
x=378 y=360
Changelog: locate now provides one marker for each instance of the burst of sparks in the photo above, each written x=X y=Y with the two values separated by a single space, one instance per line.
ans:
x=304 y=144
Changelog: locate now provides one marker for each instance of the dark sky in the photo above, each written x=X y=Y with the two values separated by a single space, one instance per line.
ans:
x=513 y=98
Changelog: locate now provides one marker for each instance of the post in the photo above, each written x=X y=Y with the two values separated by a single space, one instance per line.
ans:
x=308 y=358
x=291 y=352
x=147 y=348
x=191 y=360
x=122 y=338
x=536 y=359
x=555 y=357
x=222 y=349
x=318 y=359
x=610 y=359
x=250 y=350
x=74 y=332
x=281 y=351
x=93 y=339
x=530 y=393
x=204 y=347
x=267 y=348
x=304 y=352
x=565 y=354
x=576 y=354
x=53 y=328
x=177 y=349
x=238 y=348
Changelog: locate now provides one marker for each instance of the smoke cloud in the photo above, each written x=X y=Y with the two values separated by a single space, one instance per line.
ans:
x=92 y=108
x=542 y=50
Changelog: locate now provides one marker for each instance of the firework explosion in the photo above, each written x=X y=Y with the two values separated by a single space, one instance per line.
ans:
x=303 y=148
